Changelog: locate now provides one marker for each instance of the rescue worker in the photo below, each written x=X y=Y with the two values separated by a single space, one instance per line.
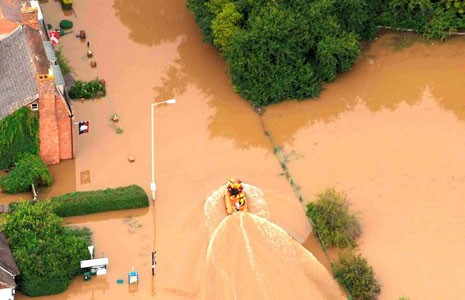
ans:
x=234 y=187
x=241 y=202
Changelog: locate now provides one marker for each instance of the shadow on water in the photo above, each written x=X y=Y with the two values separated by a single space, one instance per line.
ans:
x=144 y=18
x=109 y=215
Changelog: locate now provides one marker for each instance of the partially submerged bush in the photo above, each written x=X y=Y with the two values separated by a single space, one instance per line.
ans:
x=83 y=203
x=66 y=24
x=335 y=225
x=357 y=276
x=87 y=90
x=47 y=252
x=30 y=169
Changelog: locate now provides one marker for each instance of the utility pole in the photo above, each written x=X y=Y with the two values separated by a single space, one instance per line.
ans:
x=153 y=262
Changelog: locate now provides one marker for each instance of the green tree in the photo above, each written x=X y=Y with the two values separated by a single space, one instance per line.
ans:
x=225 y=24
x=30 y=169
x=279 y=49
x=203 y=16
x=47 y=252
x=457 y=6
x=336 y=54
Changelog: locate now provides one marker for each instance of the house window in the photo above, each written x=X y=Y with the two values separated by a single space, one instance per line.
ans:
x=35 y=106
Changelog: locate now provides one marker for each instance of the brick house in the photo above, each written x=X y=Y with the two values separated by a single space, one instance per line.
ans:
x=8 y=271
x=29 y=76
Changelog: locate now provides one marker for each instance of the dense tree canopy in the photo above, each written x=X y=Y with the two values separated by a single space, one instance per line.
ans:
x=280 y=49
x=283 y=49
x=434 y=19
x=47 y=252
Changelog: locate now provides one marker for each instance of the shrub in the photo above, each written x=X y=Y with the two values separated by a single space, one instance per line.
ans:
x=332 y=221
x=63 y=62
x=30 y=169
x=83 y=203
x=87 y=90
x=356 y=275
x=47 y=252
x=19 y=133
x=66 y=24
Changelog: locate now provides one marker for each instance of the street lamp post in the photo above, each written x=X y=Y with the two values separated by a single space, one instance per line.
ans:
x=153 y=186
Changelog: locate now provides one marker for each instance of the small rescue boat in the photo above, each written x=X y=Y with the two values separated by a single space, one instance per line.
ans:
x=234 y=197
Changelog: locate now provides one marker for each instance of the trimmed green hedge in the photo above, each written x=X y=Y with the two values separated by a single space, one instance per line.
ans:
x=83 y=203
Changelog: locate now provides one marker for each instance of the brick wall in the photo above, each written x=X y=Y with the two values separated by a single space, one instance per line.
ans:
x=48 y=123
x=29 y=17
x=64 y=128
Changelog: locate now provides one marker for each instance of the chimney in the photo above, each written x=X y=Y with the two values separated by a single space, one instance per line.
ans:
x=48 y=123
x=29 y=16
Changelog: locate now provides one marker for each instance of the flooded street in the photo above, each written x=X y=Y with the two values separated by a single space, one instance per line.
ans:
x=390 y=133
x=200 y=142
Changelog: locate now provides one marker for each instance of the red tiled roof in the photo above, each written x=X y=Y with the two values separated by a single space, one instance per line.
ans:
x=6 y=27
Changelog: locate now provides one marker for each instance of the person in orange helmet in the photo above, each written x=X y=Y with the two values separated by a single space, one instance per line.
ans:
x=234 y=187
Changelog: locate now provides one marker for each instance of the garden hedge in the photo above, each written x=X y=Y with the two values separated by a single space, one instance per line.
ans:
x=83 y=203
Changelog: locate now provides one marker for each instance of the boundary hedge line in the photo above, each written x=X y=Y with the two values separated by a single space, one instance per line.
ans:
x=83 y=203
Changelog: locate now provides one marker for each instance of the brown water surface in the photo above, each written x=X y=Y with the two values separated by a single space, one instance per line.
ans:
x=391 y=133
x=152 y=51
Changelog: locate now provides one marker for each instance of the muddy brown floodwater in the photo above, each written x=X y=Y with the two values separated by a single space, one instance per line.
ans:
x=150 y=52
x=389 y=133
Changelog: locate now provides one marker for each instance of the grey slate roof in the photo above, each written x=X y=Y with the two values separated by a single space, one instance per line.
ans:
x=50 y=52
x=59 y=80
x=7 y=263
x=18 y=82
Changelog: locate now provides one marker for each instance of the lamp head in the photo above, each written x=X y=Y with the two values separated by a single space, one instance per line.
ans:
x=171 y=101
